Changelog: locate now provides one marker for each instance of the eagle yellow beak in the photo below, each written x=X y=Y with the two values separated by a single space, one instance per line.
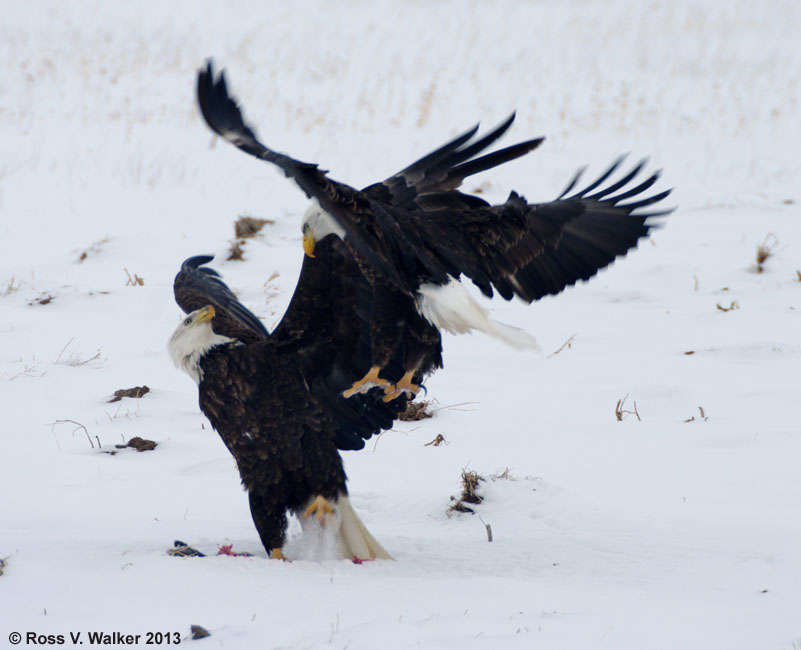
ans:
x=205 y=314
x=308 y=244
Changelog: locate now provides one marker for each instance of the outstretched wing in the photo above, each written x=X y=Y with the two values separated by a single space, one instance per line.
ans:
x=534 y=250
x=196 y=286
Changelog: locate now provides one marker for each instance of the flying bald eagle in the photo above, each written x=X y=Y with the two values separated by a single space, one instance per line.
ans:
x=414 y=235
x=276 y=398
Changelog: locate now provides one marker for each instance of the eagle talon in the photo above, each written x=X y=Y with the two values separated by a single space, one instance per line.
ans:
x=320 y=508
x=370 y=380
x=404 y=387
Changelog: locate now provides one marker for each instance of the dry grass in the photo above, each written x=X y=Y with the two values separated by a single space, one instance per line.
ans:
x=12 y=286
x=246 y=226
x=135 y=392
x=567 y=344
x=702 y=417
x=732 y=306
x=133 y=280
x=416 y=411
x=766 y=250
x=140 y=444
x=32 y=369
x=236 y=252
x=436 y=442
x=93 y=249
x=470 y=481
x=119 y=414
x=271 y=290
x=425 y=103
x=621 y=413
x=78 y=427
x=73 y=359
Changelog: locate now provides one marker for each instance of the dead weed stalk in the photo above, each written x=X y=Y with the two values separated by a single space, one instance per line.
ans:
x=621 y=413
x=766 y=250
x=73 y=360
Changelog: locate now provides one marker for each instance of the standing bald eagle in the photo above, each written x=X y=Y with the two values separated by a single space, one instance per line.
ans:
x=276 y=398
x=414 y=235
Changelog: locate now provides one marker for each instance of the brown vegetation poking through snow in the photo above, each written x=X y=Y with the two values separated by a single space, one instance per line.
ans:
x=621 y=413
x=136 y=392
x=246 y=226
x=416 y=411
x=140 y=444
x=732 y=306
x=470 y=481
x=766 y=250
x=236 y=252
x=93 y=249
x=133 y=280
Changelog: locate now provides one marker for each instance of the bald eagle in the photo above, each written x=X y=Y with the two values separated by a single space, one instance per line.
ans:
x=276 y=398
x=415 y=235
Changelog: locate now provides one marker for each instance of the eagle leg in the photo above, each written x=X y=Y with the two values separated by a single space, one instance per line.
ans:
x=277 y=554
x=404 y=387
x=320 y=508
x=370 y=380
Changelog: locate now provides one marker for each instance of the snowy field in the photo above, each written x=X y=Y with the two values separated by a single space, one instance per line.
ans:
x=675 y=529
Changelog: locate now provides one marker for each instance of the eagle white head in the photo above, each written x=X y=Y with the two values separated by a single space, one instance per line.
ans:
x=192 y=339
x=316 y=225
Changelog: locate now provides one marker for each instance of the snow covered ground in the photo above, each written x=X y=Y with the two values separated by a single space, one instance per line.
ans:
x=650 y=532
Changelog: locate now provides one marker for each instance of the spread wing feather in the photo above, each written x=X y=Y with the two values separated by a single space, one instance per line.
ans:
x=196 y=286
x=534 y=250
x=445 y=168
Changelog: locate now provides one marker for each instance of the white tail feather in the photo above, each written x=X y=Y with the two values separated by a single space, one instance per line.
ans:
x=452 y=308
x=338 y=535
x=355 y=540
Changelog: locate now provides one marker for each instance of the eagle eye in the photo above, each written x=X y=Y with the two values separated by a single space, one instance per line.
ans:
x=188 y=322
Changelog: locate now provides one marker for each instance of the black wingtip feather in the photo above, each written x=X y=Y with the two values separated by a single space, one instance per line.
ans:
x=196 y=286
x=192 y=263
x=494 y=159
x=572 y=183
x=601 y=179
x=614 y=187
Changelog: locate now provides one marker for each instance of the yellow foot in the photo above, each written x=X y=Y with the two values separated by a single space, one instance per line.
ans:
x=370 y=380
x=277 y=554
x=404 y=386
x=320 y=508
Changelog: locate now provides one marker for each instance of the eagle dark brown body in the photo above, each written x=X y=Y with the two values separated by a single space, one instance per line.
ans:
x=276 y=398
x=279 y=434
